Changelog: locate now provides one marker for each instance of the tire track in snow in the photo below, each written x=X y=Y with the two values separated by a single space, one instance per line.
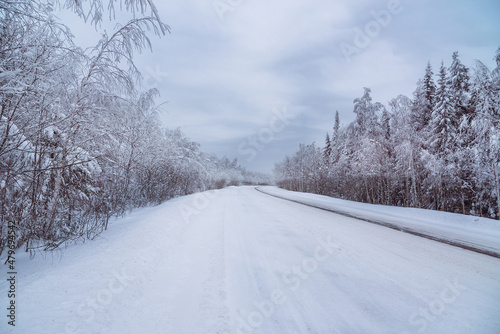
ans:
x=259 y=314
x=214 y=300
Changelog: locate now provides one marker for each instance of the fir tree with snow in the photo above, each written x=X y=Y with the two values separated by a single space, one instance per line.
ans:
x=442 y=126
x=424 y=100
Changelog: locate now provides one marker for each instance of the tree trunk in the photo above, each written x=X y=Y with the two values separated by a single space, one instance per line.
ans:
x=497 y=188
x=51 y=212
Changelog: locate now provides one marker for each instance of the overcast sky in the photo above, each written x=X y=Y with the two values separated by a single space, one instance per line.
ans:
x=254 y=79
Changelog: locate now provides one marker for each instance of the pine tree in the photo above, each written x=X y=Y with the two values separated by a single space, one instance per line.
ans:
x=442 y=125
x=458 y=85
x=327 y=150
x=429 y=85
x=336 y=127
x=335 y=140
x=424 y=100
x=421 y=109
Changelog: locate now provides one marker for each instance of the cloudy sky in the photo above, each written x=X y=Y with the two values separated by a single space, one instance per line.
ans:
x=252 y=79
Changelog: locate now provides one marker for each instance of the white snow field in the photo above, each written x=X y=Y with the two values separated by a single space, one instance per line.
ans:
x=240 y=261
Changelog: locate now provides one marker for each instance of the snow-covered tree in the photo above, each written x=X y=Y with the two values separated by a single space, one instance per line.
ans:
x=495 y=74
x=442 y=126
x=458 y=85
x=440 y=150
x=365 y=110
x=424 y=100
x=486 y=133
x=79 y=140
x=335 y=142
x=336 y=126
x=327 y=150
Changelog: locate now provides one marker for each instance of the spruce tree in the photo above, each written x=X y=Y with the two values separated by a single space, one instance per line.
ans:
x=336 y=127
x=442 y=125
x=424 y=100
x=459 y=84
x=327 y=150
x=429 y=85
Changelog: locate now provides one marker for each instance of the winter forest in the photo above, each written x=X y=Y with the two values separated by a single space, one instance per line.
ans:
x=438 y=150
x=80 y=140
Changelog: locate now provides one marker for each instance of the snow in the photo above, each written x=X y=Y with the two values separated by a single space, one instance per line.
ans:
x=477 y=232
x=240 y=261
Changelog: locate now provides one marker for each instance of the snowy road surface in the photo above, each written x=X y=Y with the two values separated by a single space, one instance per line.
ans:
x=470 y=232
x=240 y=261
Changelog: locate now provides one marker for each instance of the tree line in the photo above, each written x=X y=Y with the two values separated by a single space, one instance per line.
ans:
x=438 y=150
x=80 y=140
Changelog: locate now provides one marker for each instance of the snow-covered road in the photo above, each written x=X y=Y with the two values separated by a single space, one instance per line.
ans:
x=240 y=261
